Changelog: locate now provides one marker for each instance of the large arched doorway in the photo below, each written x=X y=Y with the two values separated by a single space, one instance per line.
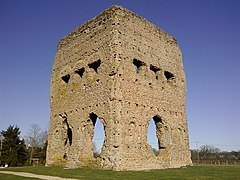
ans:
x=99 y=135
x=152 y=136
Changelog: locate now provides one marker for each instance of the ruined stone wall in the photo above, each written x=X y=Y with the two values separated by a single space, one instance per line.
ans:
x=125 y=71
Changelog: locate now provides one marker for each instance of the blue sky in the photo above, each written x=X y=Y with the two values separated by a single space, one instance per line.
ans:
x=208 y=32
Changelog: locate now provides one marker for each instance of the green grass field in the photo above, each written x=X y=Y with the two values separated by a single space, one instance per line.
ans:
x=193 y=172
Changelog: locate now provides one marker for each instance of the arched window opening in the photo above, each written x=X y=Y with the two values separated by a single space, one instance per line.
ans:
x=66 y=78
x=152 y=136
x=99 y=135
x=169 y=76
x=155 y=69
x=138 y=64
x=66 y=126
x=95 y=65
x=80 y=71
x=69 y=133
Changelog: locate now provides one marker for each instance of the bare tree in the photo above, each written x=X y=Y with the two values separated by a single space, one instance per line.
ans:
x=209 y=152
x=36 y=138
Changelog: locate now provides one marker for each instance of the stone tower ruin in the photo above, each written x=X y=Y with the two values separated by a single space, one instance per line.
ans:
x=122 y=70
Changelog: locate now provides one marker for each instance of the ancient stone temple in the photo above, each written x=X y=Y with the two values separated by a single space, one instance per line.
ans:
x=124 y=71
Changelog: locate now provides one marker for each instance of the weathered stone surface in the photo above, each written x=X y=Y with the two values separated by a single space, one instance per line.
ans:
x=124 y=70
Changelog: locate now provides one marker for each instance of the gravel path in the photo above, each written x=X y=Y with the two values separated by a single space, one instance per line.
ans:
x=24 y=174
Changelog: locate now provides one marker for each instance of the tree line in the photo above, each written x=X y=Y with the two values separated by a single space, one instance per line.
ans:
x=208 y=154
x=17 y=151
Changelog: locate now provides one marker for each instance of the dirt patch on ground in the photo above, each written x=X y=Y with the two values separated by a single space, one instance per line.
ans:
x=24 y=174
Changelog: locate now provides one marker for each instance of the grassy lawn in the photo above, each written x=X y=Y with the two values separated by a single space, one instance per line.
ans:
x=194 y=172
